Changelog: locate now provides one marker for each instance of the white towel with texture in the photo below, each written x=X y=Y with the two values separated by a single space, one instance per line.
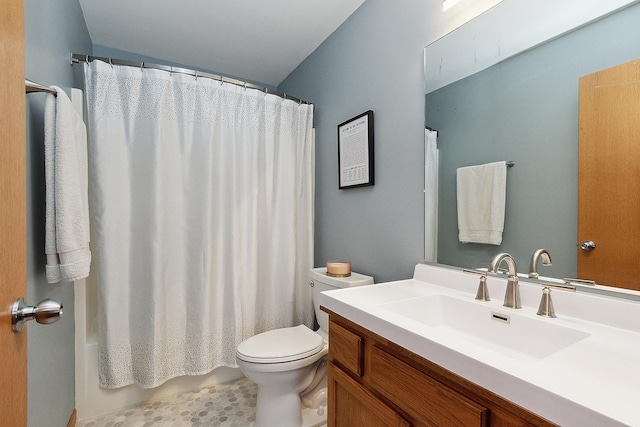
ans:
x=67 y=204
x=481 y=202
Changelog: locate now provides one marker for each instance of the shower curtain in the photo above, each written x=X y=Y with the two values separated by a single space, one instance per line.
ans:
x=203 y=219
x=431 y=195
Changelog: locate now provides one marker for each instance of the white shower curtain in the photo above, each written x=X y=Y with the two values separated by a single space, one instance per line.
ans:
x=203 y=219
x=430 y=195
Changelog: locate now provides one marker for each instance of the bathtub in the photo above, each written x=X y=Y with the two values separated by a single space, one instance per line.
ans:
x=91 y=400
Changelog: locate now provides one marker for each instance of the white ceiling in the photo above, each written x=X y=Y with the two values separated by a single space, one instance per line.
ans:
x=256 y=40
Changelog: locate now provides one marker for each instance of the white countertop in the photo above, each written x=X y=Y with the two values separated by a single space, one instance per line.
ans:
x=593 y=382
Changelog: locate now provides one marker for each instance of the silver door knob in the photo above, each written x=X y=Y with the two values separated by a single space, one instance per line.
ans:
x=587 y=245
x=47 y=311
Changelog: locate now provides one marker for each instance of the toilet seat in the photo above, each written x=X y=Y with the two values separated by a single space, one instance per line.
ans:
x=280 y=345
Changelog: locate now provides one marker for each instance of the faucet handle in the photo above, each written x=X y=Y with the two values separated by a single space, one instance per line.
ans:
x=546 y=305
x=579 y=281
x=476 y=272
x=482 y=293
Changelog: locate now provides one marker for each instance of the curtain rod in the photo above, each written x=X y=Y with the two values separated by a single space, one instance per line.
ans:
x=77 y=58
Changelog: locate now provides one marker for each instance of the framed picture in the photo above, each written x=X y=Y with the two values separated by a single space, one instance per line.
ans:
x=355 y=152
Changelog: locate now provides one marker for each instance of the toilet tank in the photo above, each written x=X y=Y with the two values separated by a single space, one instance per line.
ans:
x=321 y=282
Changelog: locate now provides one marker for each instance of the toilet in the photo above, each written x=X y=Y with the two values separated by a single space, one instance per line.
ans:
x=289 y=365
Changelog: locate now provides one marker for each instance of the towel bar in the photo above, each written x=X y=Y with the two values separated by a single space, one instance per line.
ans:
x=35 y=87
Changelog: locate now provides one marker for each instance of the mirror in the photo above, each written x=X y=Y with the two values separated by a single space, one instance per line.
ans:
x=522 y=109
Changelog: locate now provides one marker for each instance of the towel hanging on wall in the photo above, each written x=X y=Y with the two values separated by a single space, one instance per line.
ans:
x=67 y=204
x=481 y=196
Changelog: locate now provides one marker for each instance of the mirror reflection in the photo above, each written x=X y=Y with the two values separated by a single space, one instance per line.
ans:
x=525 y=109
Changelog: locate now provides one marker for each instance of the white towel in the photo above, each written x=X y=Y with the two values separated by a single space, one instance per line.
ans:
x=67 y=204
x=481 y=203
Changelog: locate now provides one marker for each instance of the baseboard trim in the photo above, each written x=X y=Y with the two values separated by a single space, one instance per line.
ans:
x=72 y=419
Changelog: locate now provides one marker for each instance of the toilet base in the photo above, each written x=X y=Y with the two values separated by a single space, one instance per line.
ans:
x=277 y=405
x=288 y=409
x=310 y=417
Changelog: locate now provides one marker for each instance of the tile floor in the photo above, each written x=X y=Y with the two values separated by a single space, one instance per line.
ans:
x=231 y=404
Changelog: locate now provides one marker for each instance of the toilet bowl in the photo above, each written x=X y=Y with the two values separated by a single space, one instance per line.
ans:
x=289 y=365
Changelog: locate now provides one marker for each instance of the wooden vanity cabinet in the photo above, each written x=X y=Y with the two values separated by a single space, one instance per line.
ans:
x=373 y=382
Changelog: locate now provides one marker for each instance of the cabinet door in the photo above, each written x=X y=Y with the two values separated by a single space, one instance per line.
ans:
x=428 y=401
x=346 y=348
x=350 y=405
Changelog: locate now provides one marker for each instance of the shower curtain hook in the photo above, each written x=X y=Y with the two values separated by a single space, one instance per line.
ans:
x=221 y=81
x=142 y=67
x=111 y=62
x=245 y=85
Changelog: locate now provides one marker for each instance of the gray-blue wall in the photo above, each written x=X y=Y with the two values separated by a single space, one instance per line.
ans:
x=372 y=62
x=53 y=29
x=525 y=109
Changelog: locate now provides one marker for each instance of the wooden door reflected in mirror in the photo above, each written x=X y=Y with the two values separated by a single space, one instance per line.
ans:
x=609 y=175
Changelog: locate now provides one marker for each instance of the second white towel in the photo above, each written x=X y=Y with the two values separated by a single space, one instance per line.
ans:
x=481 y=195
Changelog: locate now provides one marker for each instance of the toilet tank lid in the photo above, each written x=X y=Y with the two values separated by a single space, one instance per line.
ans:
x=356 y=279
x=280 y=345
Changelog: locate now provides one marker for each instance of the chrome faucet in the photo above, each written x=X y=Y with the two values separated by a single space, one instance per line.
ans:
x=546 y=260
x=512 y=294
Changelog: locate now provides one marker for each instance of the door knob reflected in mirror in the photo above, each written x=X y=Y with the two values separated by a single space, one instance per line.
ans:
x=47 y=311
x=587 y=245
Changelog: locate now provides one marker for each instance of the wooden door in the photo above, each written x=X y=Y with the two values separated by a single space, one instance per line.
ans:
x=609 y=176
x=13 y=265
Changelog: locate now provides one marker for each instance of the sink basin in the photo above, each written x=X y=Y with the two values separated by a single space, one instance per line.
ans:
x=501 y=330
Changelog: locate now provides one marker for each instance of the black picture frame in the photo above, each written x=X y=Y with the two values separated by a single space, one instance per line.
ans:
x=355 y=152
